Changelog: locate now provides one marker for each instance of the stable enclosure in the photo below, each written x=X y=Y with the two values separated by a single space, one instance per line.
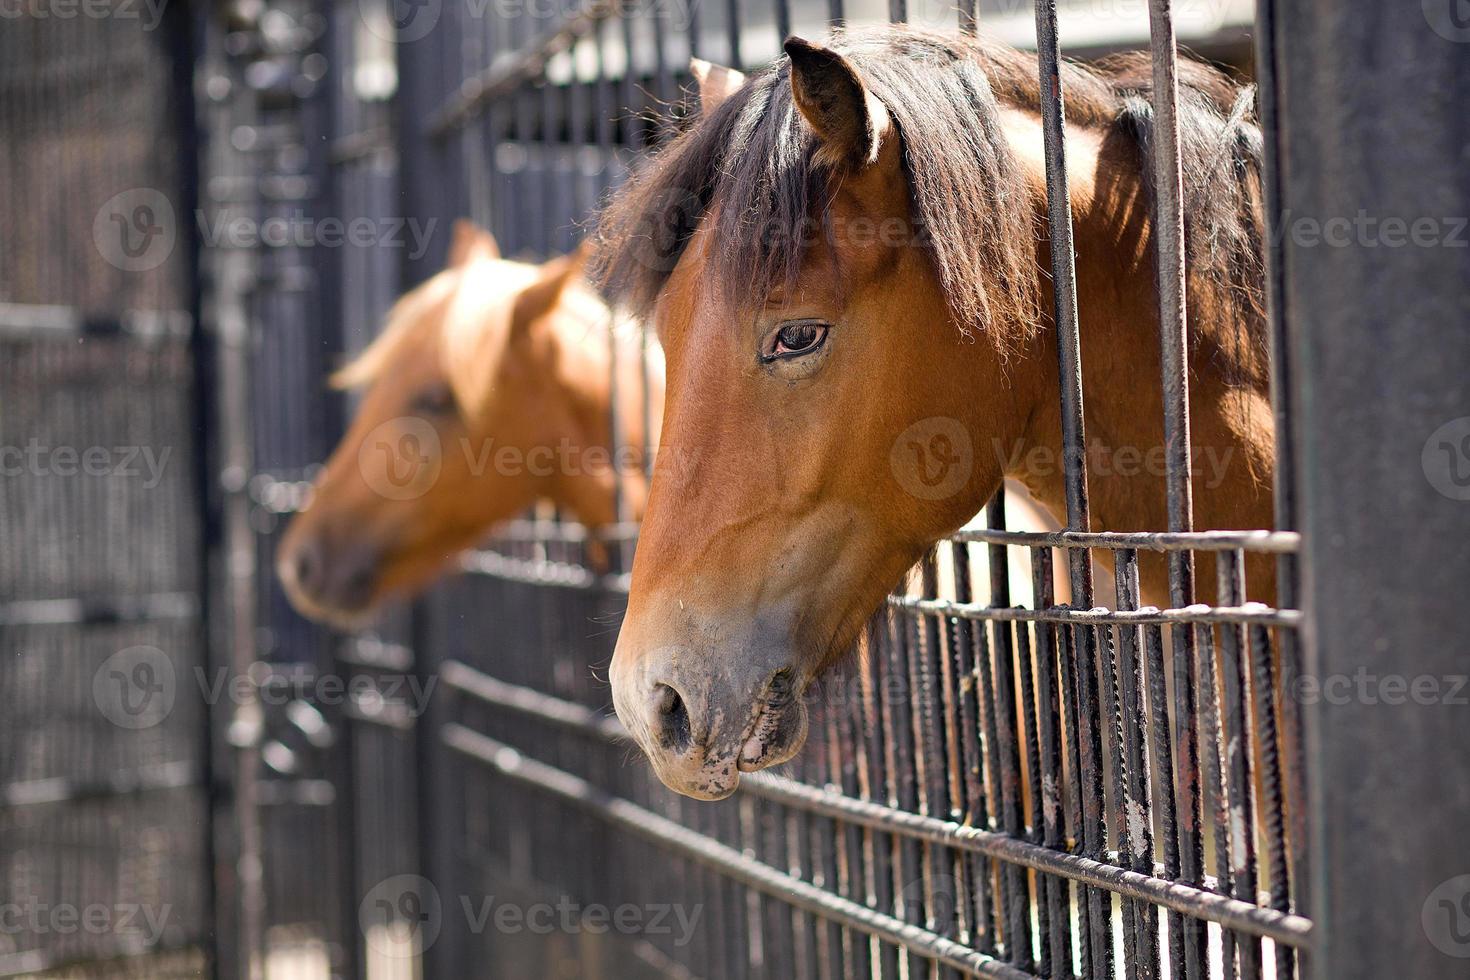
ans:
x=1024 y=772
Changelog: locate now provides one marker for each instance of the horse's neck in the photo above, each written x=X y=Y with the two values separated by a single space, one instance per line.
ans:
x=1231 y=433
x=582 y=372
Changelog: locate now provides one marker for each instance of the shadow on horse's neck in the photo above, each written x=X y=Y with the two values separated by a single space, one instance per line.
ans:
x=1231 y=428
x=592 y=474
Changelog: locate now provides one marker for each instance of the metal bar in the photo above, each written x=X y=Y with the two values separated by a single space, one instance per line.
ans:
x=1048 y=791
x=529 y=63
x=1213 y=795
x=1291 y=929
x=975 y=811
x=1003 y=704
x=107 y=611
x=1275 y=542
x=1250 y=612
x=1283 y=485
x=66 y=322
x=723 y=859
x=134 y=782
x=1239 y=743
x=1169 y=236
x=1138 y=811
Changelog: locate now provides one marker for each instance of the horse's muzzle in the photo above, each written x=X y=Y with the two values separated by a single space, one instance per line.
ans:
x=702 y=722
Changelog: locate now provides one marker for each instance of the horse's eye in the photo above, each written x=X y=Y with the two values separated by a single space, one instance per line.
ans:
x=436 y=399
x=797 y=338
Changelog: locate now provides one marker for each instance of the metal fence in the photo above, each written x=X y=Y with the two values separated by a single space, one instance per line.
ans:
x=106 y=850
x=1004 y=784
x=960 y=805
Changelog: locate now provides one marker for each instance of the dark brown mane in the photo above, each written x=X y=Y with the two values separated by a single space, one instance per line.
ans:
x=750 y=163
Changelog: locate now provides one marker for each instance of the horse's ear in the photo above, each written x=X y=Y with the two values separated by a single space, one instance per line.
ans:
x=830 y=95
x=537 y=299
x=470 y=241
x=716 y=83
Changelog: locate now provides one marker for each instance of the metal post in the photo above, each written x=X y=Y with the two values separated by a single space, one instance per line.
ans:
x=1370 y=240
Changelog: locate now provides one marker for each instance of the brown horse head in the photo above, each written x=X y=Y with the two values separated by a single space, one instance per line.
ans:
x=488 y=390
x=843 y=261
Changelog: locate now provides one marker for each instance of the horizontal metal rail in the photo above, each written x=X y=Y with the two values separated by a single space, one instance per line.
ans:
x=67 y=321
x=371 y=653
x=722 y=858
x=1282 y=927
x=1253 y=613
x=529 y=64
x=536 y=571
x=361 y=145
x=1274 y=542
x=543 y=572
x=105 y=611
x=103 y=950
x=134 y=782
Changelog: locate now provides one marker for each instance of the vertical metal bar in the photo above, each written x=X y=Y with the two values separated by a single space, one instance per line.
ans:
x=1272 y=818
x=842 y=749
x=1048 y=798
x=1169 y=234
x=874 y=773
x=1008 y=773
x=1112 y=717
x=1293 y=756
x=930 y=712
x=1138 y=815
x=975 y=812
x=732 y=13
x=1214 y=798
x=902 y=774
x=969 y=15
x=1238 y=747
x=1161 y=768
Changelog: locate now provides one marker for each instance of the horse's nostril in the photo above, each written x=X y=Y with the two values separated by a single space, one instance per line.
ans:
x=672 y=719
x=308 y=567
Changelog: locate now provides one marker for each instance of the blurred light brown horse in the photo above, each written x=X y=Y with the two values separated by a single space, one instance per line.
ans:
x=489 y=390
x=845 y=260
